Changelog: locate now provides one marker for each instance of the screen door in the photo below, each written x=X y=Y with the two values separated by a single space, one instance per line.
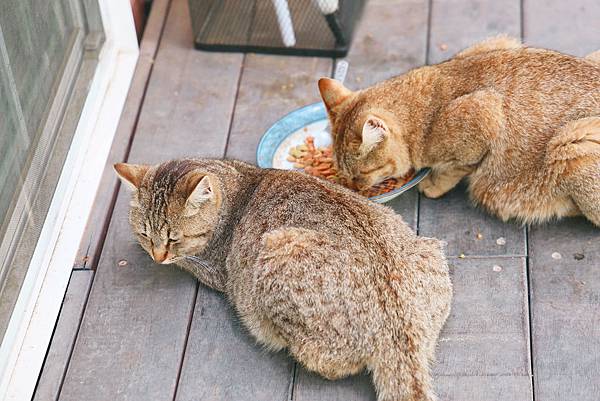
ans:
x=48 y=54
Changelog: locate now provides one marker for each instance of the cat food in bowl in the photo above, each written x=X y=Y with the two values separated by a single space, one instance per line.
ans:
x=317 y=161
x=292 y=131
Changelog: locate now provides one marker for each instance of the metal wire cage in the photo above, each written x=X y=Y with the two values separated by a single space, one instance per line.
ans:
x=293 y=27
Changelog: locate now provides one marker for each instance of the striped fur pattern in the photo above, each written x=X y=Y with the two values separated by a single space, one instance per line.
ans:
x=342 y=283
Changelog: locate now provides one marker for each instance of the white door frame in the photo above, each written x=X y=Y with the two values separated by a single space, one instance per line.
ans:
x=32 y=322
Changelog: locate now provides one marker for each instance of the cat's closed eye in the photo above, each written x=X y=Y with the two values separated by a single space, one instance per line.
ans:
x=173 y=237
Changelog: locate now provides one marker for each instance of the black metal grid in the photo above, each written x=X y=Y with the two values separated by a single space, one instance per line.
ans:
x=253 y=26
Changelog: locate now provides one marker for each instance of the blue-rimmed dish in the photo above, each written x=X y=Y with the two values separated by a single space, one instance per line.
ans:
x=291 y=130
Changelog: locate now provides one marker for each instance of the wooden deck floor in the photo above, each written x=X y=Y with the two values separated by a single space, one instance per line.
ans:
x=525 y=322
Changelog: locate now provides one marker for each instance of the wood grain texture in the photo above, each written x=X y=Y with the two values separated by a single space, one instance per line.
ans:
x=484 y=388
x=310 y=387
x=567 y=26
x=65 y=332
x=390 y=39
x=133 y=333
x=487 y=332
x=468 y=230
x=222 y=362
x=457 y=24
x=565 y=256
x=190 y=99
x=271 y=87
x=565 y=294
x=406 y=206
x=483 y=350
x=95 y=230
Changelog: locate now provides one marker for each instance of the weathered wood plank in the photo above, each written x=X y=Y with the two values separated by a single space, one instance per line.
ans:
x=271 y=87
x=133 y=333
x=406 y=206
x=452 y=218
x=222 y=362
x=565 y=256
x=457 y=24
x=468 y=230
x=484 y=348
x=390 y=39
x=190 y=98
x=95 y=231
x=484 y=388
x=567 y=26
x=65 y=332
x=487 y=333
x=310 y=387
x=565 y=295
x=134 y=328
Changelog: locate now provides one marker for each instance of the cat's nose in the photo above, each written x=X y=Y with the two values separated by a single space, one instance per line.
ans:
x=159 y=254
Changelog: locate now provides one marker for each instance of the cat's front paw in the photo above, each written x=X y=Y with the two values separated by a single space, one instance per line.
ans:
x=430 y=189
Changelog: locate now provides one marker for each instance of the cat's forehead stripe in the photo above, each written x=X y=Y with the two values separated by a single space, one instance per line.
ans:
x=161 y=189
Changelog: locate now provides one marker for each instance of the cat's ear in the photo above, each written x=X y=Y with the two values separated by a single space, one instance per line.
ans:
x=374 y=131
x=131 y=174
x=333 y=92
x=200 y=188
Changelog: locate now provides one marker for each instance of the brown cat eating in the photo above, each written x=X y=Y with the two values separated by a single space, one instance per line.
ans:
x=523 y=124
x=342 y=283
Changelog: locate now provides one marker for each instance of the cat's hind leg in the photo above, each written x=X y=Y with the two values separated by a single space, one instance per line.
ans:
x=500 y=42
x=298 y=287
x=575 y=155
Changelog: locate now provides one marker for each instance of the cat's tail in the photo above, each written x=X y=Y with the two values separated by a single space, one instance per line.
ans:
x=401 y=370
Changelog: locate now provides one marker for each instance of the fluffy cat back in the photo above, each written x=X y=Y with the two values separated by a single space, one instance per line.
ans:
x=342 y=283
x=493 y=113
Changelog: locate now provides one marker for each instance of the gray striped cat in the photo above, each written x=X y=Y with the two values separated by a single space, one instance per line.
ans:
x=342 y=283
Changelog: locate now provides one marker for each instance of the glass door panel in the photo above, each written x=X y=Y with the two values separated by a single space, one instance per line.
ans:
x=43 y=62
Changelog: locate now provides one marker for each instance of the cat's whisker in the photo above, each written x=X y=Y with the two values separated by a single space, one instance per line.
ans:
x=200 y=262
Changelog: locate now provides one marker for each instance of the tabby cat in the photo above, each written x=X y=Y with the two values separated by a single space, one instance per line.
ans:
x=342 y=283
x=523 y=124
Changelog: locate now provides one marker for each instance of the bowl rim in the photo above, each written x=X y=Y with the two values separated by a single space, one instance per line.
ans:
x=316 y=110
x=299 y=119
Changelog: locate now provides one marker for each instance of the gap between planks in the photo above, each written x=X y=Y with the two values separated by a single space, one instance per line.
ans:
x=107 y=192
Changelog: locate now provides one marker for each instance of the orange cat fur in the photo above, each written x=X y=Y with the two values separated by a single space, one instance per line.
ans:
x=522 y=124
